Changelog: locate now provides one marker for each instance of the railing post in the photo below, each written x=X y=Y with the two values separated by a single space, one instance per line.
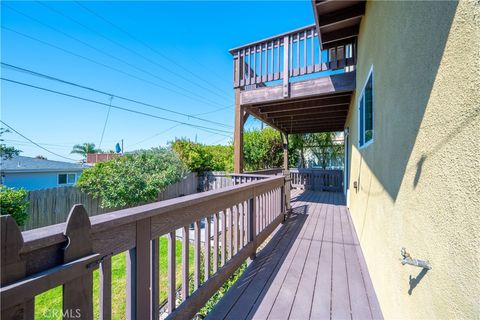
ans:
x=12 y=267
x=286 y=69
x=251 y=226
x=78 y=293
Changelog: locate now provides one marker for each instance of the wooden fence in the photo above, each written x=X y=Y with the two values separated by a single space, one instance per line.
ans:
x=51 y=206
x=67 y=254
x=317 y=179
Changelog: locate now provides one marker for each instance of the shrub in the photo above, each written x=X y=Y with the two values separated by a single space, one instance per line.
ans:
x=14 y=202
x=132 y=179
x=200 y=158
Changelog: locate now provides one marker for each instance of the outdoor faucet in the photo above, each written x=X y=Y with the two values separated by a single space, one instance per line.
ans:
x=407 y=259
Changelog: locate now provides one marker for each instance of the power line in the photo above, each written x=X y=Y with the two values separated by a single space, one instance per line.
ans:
x=213 y=111
x=38 y=145
x=110 y=55
x=42 y=75
x=130 y=50
x=105 y=124
x=155 y=135
x=207 y=129
x=137 y=40
x=98 y=63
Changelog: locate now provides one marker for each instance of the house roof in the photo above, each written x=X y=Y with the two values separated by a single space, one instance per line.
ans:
x=28 y=164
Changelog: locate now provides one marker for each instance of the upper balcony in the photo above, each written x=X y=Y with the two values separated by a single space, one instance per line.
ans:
x=304 y=74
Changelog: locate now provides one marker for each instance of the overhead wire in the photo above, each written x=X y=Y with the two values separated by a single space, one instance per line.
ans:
x=207 y=129
x=114 y=57
x=33 y=142
x=97 y=62
x=42 y=75
x=99 y=16
x=58 y=12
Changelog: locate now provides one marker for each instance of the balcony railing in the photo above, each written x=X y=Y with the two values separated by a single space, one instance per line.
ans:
x=235 y=219
x=298 y=52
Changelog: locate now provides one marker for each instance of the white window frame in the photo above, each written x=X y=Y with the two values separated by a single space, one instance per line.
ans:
x=67 y=183
x=362 y=94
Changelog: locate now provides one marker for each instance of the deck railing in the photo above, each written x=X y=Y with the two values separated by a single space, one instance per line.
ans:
x=236 y=220
x=317 y=179
x=287 y=55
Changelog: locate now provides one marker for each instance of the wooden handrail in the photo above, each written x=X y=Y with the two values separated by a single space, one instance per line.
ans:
x=243 y=216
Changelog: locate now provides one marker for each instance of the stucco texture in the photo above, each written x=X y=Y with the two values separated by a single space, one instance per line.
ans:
x=419 y=182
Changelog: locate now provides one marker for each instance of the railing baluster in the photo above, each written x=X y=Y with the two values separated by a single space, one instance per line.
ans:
x=235 y=229
x=171 y=272
x=304 y=68
x=215 y=243
x=105 y=289
x=251 y=223
x=223 y=215
x=196 y=257
x=155 y=278
x=185 y=262
x=229 y=235
x=207 y=248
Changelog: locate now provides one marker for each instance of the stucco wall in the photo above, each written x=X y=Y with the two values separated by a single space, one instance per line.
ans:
x=419 y=182
x=34 y=181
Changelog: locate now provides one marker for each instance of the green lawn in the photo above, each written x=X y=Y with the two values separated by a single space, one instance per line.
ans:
x=51 y=300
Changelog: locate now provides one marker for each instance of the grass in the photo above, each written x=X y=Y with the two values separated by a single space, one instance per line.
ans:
x=48 y=305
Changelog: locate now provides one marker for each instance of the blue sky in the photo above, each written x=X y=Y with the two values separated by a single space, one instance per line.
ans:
x=174 y=56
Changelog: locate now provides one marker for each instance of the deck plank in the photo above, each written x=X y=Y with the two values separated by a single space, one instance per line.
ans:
x=304 y=295
x=284 y=301
x=313 y=268
x=249 y=287
x=322 y=295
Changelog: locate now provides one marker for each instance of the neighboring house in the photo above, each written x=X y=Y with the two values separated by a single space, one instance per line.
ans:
x=93 y=158
x=408 y=100
x=33 y=173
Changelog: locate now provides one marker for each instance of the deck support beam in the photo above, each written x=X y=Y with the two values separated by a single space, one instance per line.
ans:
x=238 y=135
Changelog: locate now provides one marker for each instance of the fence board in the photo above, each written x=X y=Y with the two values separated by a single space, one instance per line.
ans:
x=51 y=206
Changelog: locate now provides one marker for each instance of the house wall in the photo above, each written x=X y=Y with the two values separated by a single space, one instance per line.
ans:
x=33 y=181
x=418 y=183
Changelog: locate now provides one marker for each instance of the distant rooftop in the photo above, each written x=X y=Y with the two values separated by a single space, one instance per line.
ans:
x=28 y=164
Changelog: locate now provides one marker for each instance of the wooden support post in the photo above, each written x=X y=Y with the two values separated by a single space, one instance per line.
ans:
x=238 y=135
x=12 y=267
x=78 y=293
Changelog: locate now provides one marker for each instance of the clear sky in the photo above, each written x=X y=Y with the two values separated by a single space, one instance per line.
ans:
x=172 y=55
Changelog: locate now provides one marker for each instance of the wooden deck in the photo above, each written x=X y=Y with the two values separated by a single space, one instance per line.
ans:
x=312 y=268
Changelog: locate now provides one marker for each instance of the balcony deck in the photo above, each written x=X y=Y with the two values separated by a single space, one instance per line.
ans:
x=312 y=268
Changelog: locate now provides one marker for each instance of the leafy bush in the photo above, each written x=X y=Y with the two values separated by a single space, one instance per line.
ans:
x=14 y=202
x=200 y=158
x=133 y=178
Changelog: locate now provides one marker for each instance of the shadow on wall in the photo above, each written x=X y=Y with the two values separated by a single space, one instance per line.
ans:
x=413 y=282
x=403 y=88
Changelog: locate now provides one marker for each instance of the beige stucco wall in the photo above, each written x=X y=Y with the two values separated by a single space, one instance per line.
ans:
x=419 y=182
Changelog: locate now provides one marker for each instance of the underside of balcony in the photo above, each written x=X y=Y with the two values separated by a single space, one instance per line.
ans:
x=314 y=105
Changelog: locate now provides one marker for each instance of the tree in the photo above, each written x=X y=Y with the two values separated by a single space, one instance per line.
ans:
x=14 y=202
x=132 y=179
x=7 y=152
x=84 y=149
x=198 y=157
x=322 y=145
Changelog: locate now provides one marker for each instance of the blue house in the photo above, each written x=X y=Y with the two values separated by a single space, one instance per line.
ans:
x=33 y=173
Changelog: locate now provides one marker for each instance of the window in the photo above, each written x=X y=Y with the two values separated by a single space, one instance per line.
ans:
x=365 y=113
x=66 y=178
